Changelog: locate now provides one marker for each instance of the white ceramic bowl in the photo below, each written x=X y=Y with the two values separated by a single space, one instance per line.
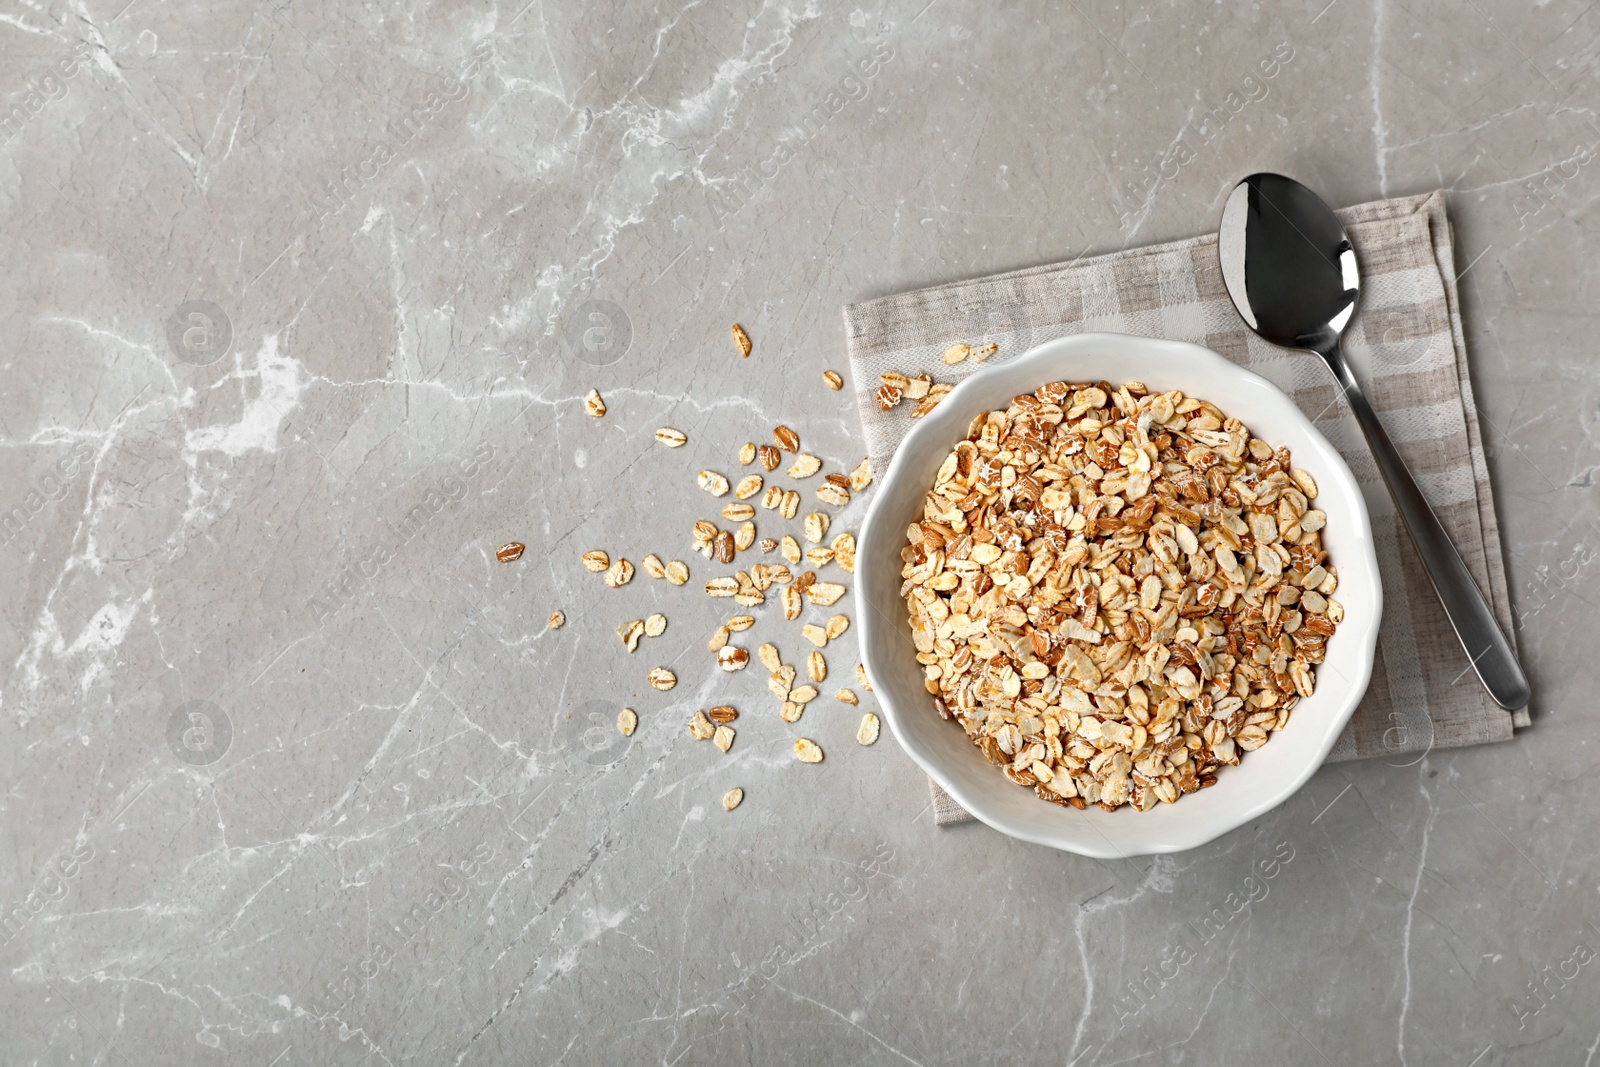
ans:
x=1264 y=778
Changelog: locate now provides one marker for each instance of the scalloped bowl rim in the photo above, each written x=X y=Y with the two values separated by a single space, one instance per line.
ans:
x=1242 y=793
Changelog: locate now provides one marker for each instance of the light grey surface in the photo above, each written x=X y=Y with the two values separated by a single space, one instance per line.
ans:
x=410 y=741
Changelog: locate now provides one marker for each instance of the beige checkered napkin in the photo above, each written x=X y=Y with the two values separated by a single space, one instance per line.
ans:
x=1406 y=347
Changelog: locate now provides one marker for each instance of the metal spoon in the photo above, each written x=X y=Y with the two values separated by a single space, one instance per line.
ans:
x=1289 y=267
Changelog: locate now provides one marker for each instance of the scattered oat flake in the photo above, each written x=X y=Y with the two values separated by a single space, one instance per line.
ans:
x=767 y=544
x=824 y=593
x=815 y=634
x=722 y=737
x=861 y=677
x=833 y=380
x=770 y=457
x=955 y=354
x=593 y=404
x=630 y=632
x=732 y=798
x=661 y=678
x=747 y=454
x=984 y=351
x=744 y=536
x=807 y=750
x=804 y=466
x=847 y=696
x=722 y=714
x=748 y=487
x=596 y=561
x=790 y=599
x=620 y=573
x=713 y=483
x=655 y=625
x=816 y=667
x=829 y=493
x=861 y=477
x=786 y=438
x=867 y=732
x=780 y=681
x=740 y=623
x=789 y=548
x=768 y=655
x=738 y=512
x=820 y=556
x=677 y=572
x=836 y=626
x=741 y=340
x=509 y=551
x=791 y=502
x=732 y=658
x=653 y=566
x=718 y=639
x=627 y=722
x=815 y=528
x=700 y=727
x=789 y=711
x=844 y=551
x=888 y=396
x=804 y=695
x=557 y=620
x=670 y=437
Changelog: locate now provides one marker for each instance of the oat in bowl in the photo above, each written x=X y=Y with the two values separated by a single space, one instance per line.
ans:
x=1116 y=592
x=1143 y=685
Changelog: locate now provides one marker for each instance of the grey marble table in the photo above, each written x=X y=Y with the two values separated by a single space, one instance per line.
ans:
x=300 y=305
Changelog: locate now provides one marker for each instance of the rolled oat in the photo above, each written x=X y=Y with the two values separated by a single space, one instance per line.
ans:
x=867 y=732
x=815 y=527
x=713 y=483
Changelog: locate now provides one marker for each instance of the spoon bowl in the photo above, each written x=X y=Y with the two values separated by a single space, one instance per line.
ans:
x=1302 y=279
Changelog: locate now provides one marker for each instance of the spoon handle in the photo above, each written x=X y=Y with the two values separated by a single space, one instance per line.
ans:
x=1485 y=643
